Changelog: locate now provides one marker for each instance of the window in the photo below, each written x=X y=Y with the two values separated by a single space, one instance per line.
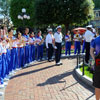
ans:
x=97 y=14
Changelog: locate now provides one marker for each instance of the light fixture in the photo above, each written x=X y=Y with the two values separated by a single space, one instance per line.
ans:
x=19 y=16
x=23 y=10
x=25 y=16
x=28 y=17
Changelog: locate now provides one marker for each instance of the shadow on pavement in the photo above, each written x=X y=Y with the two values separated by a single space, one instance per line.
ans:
x=39 y=63
x=56 y=79
x=33 y=71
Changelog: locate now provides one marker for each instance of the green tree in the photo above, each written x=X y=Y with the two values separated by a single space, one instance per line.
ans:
x=65 y=12
x=16 y=9
x=97 y=3
x=5 y=5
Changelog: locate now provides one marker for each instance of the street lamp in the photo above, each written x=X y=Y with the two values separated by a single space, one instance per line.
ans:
x=23 y=15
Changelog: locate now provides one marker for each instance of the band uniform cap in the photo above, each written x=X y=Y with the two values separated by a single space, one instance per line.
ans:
x=58 y=27
x=50 y=30
x=89 y=26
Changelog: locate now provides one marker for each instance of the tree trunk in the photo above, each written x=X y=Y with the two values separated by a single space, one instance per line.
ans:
x=66 y=27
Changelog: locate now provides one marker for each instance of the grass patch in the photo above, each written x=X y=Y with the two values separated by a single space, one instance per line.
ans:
x=87 y=72
x=63 y=51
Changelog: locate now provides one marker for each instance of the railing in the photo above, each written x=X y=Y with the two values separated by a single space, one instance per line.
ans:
x=80 y=60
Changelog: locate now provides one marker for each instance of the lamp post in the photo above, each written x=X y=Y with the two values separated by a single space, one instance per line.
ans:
x=23 y=16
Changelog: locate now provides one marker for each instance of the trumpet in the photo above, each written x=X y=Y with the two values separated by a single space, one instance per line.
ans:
x=77 y=35
x=42 y=40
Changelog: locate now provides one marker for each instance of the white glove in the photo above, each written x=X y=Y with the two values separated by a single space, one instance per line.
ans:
x=55 y=47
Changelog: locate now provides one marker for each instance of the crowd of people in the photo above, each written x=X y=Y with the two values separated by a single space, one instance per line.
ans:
x=21 y=50
x=18 y=51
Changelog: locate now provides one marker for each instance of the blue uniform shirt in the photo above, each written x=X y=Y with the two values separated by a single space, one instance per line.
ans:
x=1 y=49
x=96 y=44
x=39 y=39
x=33 y=38
x=68 y=38
x=26 y=36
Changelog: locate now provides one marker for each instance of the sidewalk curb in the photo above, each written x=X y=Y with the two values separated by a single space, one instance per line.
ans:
x=84 y=78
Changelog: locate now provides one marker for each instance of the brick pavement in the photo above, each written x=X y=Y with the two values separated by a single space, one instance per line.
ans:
x=44 y=81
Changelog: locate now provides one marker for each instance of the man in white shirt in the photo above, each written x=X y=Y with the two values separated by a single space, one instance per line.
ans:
x=88 y=38
x=58 y=40
x=49 y=44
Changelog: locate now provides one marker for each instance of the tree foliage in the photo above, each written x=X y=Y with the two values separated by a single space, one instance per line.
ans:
x=97 y=3
x=63 y=11
x=5 y=5
x=16 y=9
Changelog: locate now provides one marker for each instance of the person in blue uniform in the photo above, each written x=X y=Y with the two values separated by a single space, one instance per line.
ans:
x=1 y=63
x=33 y=46
x=15 y=54
x=77 y=42
x=39 y=40
x=26 y=36
x=8 y=55
x=12 y=57
x=20 y=50
x=4 y=61
x=68 y=43
x=95 y=53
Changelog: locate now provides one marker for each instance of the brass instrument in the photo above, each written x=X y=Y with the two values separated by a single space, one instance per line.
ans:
x=42 y=40
x=23 y=41
x=77 y=35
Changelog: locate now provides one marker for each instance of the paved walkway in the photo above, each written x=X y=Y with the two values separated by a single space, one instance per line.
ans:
x=45 y=81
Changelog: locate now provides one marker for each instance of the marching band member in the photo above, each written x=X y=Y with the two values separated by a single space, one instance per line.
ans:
x=88 y=38
x=20 y=50
x=26 y=37
x=14 y=51
x=68 y=43
x=77 y=44
x=4 y=59
x=15 y=54
x=8 y=55
x=58 y=40
x=33 y=46
x=40 y=41
x=1 y=66
x=49 y=44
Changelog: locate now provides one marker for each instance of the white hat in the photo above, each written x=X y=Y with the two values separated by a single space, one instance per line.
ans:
x=89 y=26
x=49 y=30
x=59 y=27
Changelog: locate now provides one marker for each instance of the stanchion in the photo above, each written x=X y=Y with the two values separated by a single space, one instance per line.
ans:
x=83 y=67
